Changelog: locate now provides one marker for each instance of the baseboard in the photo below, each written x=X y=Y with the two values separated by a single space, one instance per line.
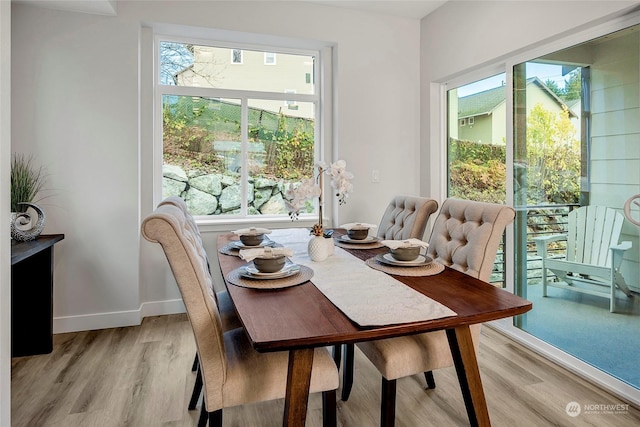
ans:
x=89 y=322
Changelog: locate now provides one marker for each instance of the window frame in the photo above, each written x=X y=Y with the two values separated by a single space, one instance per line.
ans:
x=323 y=117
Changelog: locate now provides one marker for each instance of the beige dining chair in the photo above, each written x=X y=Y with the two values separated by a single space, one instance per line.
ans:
x=465 y=236
x=405 y=217
x=233 y=372
x=227 y=311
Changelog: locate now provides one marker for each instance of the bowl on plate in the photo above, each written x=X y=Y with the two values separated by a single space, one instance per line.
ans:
x=358 y=233
x=269 y=264
x=251 y=239
x=406 y=253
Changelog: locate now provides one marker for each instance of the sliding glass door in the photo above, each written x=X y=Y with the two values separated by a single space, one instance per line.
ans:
x=575 y=143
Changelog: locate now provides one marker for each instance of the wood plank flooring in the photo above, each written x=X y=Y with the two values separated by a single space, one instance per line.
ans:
x=141 y=376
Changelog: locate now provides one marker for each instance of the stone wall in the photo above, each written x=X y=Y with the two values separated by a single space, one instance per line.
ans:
x=216 y=194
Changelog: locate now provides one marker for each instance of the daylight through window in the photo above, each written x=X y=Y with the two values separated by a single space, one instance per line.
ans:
x=238 y=128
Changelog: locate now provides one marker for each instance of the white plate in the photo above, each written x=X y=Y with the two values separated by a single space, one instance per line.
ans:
x=422 y=260
x=368 y=239
x=250 y=272
x=266 y=242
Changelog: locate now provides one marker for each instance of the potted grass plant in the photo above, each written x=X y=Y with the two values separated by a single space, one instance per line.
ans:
x=27 y=180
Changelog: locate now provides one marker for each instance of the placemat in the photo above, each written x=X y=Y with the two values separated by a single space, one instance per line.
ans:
x=231 y=248
x=235 y=278
x=425 y=270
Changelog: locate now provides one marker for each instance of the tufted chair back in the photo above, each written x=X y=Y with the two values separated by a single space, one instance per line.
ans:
x=466 y=235
x=406 y=217
x=169 y=226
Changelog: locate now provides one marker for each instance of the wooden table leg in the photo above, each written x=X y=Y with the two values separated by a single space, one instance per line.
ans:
x=466 y=363
x=298 y=382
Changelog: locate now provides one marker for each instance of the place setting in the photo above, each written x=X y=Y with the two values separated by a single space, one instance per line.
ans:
x=358 y=236
x=405 y=258
x=248 y=238
x=268 y=268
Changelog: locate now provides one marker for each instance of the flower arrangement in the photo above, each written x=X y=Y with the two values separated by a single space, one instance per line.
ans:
x=312 y=188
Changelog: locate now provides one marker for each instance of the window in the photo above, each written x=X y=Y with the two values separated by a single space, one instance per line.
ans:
x=476 y=155
x=235 y=139
x=269 y=58
x=236 y=56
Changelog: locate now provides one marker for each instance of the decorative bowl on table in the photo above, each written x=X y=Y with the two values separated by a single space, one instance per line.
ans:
x=406 y=253
x=269 y=264
x=358 y=233
x=252 y=239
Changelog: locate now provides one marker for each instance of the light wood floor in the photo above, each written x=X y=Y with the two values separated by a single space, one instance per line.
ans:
x=141 y=376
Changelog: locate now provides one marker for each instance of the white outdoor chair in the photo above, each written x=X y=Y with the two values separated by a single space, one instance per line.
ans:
x=592 y=261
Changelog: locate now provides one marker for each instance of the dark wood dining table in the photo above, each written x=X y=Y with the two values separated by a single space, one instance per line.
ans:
x=297 y=319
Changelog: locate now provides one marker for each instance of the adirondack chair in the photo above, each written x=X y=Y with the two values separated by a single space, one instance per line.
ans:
x=593 y=254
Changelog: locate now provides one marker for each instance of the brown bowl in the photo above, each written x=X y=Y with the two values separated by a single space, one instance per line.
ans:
x=358 y=233
x=251 y=239
x=269 y=265
x=408 y=253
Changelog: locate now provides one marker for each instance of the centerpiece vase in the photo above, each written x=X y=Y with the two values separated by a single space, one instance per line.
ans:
x=319 y=247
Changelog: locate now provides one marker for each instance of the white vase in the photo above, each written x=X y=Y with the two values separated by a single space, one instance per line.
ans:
x=318 y=248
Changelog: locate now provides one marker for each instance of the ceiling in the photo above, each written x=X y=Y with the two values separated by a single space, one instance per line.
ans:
x=404 y=8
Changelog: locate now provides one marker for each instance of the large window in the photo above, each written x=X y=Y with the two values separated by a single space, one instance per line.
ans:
x=235 y=134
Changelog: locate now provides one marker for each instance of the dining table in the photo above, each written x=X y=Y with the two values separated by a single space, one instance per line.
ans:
x=299 y=316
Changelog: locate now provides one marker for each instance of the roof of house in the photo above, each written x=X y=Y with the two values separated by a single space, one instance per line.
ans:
x=487 y=101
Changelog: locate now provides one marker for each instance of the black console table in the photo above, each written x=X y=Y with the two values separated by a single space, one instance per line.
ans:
x=32 y=295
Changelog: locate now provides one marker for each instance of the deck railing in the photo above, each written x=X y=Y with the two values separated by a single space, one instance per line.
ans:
x=541 y=220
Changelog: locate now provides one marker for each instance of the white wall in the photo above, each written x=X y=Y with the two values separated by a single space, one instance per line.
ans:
x=5 y=250
x=75 y=104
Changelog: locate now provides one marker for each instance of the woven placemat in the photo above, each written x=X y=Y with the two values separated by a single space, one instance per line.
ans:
x=304 y=275
x=374 y=245
x=231 y=248
x=423 y=270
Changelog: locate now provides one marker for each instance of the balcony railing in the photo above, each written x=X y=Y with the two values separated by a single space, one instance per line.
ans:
x=541 y=220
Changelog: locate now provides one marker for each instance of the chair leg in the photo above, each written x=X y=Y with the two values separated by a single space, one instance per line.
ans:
x=431 y=382
x=196 y=363
x=337 y=354
x=347 y=371
x=203 y=419
x=388 y=403
x=329 y=416
x=197 y=388
x=215 y=418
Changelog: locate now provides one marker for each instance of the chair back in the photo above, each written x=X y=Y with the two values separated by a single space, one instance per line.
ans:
x=171 y=227
x=591 y=231
x=406 y=217
x=466 y=235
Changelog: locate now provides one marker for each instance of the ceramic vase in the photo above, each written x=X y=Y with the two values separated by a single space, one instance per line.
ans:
x=318 y=248
x=23 y=227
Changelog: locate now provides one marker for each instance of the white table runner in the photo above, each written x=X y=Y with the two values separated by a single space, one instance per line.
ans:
x=368 y=297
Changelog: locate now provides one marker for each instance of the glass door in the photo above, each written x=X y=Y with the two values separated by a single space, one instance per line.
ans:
x=576 y=145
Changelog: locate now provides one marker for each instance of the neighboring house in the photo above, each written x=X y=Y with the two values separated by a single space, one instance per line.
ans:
x=228 y=68
x=481 y=116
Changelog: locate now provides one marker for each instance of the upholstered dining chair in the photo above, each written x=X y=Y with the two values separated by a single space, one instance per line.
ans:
x=233 y=372
x=465 y=236
x=405 y=217
x=227 y=312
